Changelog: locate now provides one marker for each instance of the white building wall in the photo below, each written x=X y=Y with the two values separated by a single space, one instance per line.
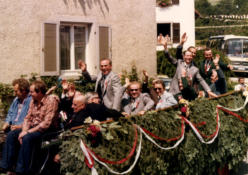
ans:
x=184 y=13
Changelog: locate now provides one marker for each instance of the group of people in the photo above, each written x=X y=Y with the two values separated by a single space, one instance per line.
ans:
x=190 y=81
x=36 y=111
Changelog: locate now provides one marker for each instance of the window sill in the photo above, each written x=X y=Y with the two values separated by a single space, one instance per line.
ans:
x=70 y=74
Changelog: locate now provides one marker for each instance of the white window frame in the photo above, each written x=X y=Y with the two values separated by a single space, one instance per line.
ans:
x=72 y=48
x=171 y=29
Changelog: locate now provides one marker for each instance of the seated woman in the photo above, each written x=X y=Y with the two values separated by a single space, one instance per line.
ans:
x=166 y=99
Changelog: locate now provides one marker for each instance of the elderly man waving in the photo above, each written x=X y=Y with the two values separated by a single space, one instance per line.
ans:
x=108 y=85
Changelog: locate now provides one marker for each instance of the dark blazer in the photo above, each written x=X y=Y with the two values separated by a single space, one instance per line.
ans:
x=95 y=111
x=206 y=75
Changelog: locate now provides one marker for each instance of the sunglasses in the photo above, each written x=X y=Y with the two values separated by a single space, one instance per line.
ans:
x=155 y=89
x=134 y=90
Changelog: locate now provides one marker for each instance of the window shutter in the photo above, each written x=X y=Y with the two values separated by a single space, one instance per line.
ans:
x=50 y=49
x=175 y=1
x=104 y=42
x=176 y=32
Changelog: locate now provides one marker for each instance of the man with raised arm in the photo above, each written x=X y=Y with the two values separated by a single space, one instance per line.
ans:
x=207 y=65
x=192 y=72
x=108 y=85
x=179 y=52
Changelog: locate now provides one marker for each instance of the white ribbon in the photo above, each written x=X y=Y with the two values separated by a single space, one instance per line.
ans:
x=86 y=154
x=163 y=148
x=199 y=135
x=104 y=164
x=237 y=109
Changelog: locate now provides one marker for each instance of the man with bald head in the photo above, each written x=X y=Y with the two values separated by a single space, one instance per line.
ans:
x=108 y=84
x=83 y=110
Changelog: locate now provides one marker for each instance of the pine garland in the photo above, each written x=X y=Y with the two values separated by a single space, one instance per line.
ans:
x=190 y=157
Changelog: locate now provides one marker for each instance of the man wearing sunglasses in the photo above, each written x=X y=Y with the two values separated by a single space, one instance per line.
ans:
x=136 y=102
x=165 y=99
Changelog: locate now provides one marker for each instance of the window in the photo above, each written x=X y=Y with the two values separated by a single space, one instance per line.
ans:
x=169 y=29
x=73 y=39
x=64 y=43
x=175 y=1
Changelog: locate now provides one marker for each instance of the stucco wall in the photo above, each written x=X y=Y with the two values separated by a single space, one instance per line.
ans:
x=184 y=13
x=132 y=22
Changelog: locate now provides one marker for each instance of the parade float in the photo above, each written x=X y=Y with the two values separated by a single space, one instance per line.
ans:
x=205 y=136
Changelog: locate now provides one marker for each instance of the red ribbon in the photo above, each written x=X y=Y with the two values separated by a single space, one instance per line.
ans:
x=167 y=140
x=122 y=160
x=216 y=129
x=233 y=114
x=87 y=161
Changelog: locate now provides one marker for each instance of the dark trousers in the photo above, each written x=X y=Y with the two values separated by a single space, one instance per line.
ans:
x=11 y=147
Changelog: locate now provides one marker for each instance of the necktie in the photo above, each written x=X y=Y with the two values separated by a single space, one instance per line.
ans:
x=102 y=82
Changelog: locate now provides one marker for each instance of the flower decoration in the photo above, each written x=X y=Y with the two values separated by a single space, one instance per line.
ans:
x=164 y=3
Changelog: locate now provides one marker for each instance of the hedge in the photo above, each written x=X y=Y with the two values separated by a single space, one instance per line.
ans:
x=191 y=157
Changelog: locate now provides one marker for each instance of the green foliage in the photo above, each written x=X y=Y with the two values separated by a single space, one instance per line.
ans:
x=163 y=65
x=6 y=96
x=202 y=34
x=191 y=157
x=223 y=7
x=132 y=75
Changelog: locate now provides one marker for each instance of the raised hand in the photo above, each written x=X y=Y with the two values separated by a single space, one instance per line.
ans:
x=82 y=65
x=146 y=75
x=184 y=38
x=65 y=86
x=216 y=60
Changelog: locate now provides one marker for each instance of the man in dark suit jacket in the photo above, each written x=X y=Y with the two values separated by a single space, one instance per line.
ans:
x=207 y=65
x=108 y=85
x=192 y=72
x=83 y=110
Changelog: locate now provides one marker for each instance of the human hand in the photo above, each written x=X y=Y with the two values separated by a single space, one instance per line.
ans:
x=216 y=60
x=125 y=114
x=230 y=66
x=82 y=66
x=211 y=94
x=71 y=91
x=201 y=94
x=146 y=75
x=14 y=127
x=21 y=135
x=49 y=91
x=141 y=112
x=65 y=86
x=5 y=126
x=184 y=38
x=163 y=42
x=127 y=82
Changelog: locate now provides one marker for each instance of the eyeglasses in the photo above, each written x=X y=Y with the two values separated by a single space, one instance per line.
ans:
x=134 y=90
x=155 y=89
